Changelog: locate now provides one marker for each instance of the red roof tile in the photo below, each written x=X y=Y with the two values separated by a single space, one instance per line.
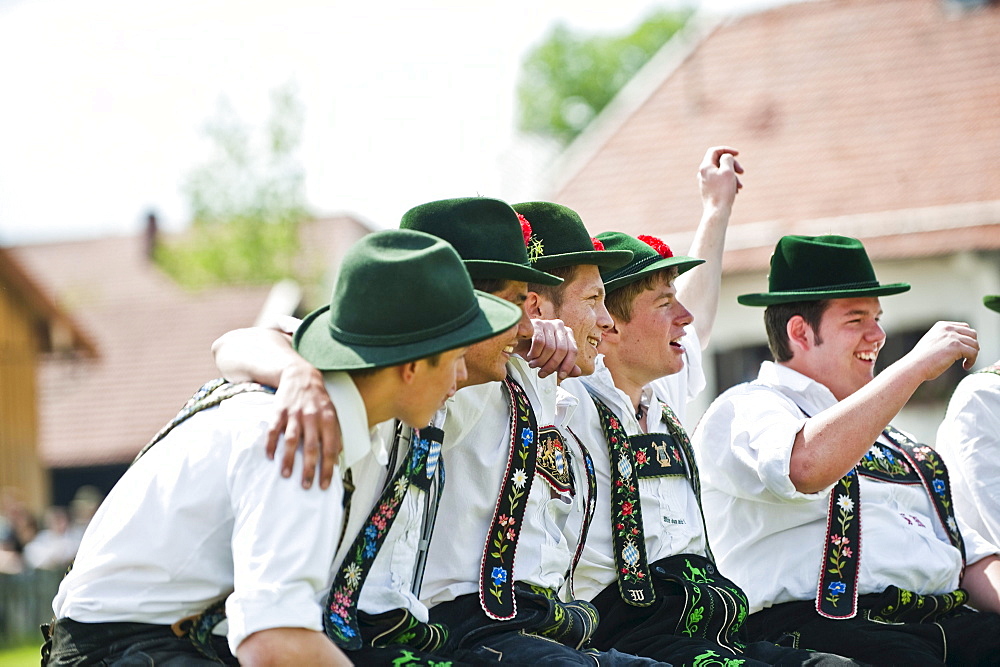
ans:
x=840 y=108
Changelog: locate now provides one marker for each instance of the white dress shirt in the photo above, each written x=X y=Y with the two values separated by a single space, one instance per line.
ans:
x=671 y=518
x=203 y=513
x=769 y=538
x=477 y=445
x=969 y=441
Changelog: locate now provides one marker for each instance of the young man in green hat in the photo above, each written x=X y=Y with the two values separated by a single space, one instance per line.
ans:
x=496 y=582
x=498 y=409
x=838 y=527
x=200 y=518
x=969 y=441
x=647 y=565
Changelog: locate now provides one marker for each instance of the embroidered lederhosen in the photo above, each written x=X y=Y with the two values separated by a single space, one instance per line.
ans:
x=644 y=455
x=496 y=574
x=341 y=619
x=712 y=607
x=901 y=462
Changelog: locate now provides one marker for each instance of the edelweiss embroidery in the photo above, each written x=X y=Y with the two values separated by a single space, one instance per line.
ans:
x=903 y=462
x=496 y=584
x=340 y=620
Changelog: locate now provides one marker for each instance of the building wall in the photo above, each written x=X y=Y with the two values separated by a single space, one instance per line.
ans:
x=943 y=288
x=20 y=468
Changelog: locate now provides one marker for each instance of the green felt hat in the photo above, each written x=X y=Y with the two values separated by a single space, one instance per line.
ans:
x=813 y=268
x=992 y=302
x=486 y=233
x=559 y=239
x=649 y=254
x=400 y=295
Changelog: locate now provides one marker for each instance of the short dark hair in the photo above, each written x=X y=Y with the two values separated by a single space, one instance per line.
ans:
x=776 y=318
x=433 y=360
x=491 y=285
x=554 y=293
x=620 y=301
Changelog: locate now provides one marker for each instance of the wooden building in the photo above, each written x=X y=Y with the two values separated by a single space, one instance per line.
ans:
x=31 y=326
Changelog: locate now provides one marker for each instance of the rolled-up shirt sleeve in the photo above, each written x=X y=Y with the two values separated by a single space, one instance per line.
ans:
x=284 y=540
x=759 y=426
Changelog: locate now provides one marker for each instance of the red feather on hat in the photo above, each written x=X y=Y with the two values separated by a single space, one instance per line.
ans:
x=656 y=244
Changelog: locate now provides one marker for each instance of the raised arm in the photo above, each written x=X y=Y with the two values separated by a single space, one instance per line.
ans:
x=698 y=290
x=832 y=442
x=305 y=414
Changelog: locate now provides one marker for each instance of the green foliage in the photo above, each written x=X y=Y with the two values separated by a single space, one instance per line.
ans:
x=246 y=202
x=569 y=78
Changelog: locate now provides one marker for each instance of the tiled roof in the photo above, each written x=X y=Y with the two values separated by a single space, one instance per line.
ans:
x=154 y=340
x=840 y=108
x=64 y=334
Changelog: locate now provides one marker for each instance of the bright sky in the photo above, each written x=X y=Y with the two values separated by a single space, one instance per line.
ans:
x=104 y=102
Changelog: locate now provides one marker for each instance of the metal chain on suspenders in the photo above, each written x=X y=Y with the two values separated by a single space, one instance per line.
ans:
x=340 y=617
x=496 y=574
x=432 y=485
x=901 y=462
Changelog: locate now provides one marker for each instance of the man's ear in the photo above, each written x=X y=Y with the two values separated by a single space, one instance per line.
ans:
x=800 y=334
x=534 y=306
x=408 y=371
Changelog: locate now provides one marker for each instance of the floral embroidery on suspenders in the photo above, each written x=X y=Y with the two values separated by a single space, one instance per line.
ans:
x=496 y=575
x=903 y=462
x=628 y=539
x=340 y=618
x=839 y=575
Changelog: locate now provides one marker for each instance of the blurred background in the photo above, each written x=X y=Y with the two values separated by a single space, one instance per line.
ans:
x=170 y=172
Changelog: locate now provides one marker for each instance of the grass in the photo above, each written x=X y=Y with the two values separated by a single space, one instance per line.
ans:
x=20 y=656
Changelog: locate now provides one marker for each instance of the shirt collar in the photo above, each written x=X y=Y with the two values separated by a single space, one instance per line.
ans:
x=814 y=392
x=602 y=385
x=358 y=439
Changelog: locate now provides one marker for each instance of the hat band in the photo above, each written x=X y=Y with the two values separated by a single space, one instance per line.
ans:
x=634 y=267
x=827 y=288
x=378 y=340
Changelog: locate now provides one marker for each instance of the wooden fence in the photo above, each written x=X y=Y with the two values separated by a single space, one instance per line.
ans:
x=26 y=603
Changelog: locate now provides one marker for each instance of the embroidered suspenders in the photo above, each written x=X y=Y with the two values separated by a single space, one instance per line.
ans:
x=496 y=574
x=208 y=395
x=340 y=618
x=634 y=583
x=902 y=462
